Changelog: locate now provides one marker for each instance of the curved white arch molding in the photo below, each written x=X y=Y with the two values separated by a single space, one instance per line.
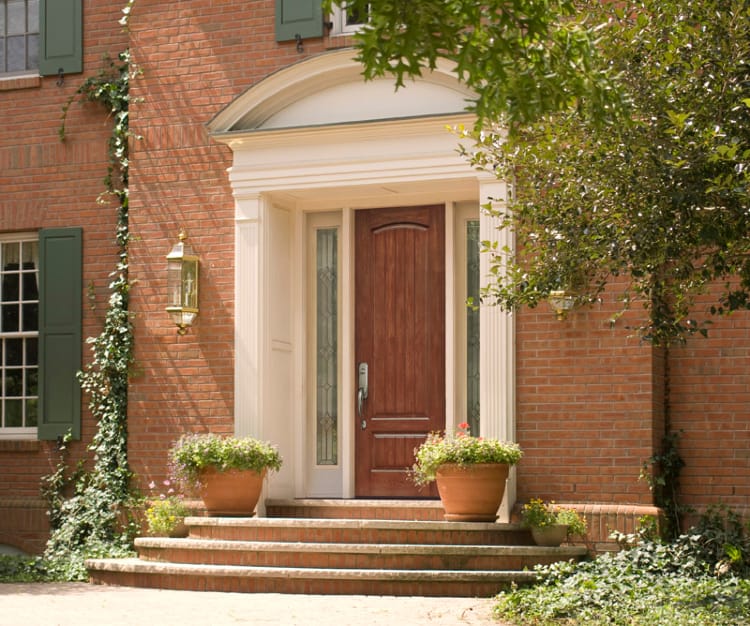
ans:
x=329 y=89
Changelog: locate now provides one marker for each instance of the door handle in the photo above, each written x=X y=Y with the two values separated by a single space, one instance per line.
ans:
x=362 y=387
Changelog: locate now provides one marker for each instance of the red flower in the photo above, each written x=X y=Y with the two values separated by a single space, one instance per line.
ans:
x=464 y=425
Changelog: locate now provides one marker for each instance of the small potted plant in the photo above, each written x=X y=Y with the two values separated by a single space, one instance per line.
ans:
x=470 y=472
x=165 y=514
x=228 y=471
x=550 y=524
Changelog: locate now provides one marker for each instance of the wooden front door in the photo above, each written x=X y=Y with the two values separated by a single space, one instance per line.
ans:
x=400 y=336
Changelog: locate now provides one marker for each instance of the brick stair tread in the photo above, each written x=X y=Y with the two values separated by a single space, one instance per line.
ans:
x=310 y=522
x=134 y=565
x=364 y=504
x=300 y=546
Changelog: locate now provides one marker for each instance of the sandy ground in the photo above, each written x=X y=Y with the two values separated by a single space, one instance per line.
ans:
x=68 y=604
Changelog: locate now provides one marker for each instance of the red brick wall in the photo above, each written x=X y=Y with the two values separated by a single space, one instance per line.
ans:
x=710 y=402
x=196 y=58
x=589 y=401
x=45 y=183
x=587 y=411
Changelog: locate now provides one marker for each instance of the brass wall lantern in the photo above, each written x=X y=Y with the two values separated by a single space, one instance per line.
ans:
x=182 y=284
x=561 y=302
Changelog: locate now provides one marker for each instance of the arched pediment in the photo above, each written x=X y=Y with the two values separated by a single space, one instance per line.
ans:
x=329 y=89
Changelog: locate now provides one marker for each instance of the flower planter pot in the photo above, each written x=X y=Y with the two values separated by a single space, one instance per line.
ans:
x=181 y=530
x=472 y=493
x=234 y=492
x=550 y=536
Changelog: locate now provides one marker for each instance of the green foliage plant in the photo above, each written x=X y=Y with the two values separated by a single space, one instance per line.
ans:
x=23 y=569
x=539 y=514
x=193 y=453
x=662 y=473
x=165 y=512
x=462 y=449
x=723 y=541
x=522 y=58
x=57 y=485
x=654 y=204
x=93 y=521
x=624 y=129
x=648 y=582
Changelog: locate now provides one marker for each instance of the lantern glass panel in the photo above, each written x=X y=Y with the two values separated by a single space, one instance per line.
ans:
x=190 y=284
x=174 y=283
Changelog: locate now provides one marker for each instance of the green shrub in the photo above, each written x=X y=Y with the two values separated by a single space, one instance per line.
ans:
x=23 y=569
x=698 y=580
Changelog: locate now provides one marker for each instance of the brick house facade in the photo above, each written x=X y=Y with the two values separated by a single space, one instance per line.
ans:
x=265 y=152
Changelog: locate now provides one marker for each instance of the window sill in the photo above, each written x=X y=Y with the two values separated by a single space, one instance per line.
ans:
x=339 y=40
x=19 y=445
x=9 y=83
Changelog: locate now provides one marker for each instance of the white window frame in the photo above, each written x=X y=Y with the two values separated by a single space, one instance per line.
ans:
x=322 y=480
x=338 y=22
x=28 y=32
x=29 y=432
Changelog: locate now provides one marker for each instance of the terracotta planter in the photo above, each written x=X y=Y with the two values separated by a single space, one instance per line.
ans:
x=550 y=536
x=472 y=493
x=181 y=530
x=234 y=492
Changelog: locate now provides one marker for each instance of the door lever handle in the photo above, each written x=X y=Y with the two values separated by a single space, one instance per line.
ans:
x=362 y=372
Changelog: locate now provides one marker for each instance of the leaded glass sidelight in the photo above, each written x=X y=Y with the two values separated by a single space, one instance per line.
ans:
x=326 y=342
x=472 y=326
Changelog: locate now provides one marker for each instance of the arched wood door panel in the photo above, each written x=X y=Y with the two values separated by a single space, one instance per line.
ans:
x=400 y=335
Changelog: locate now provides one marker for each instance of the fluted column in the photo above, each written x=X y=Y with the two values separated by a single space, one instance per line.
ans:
x=497 y=342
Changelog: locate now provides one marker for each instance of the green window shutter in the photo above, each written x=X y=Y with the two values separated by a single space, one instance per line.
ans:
x=298 y=17
x=60 y=37
x=60 y=293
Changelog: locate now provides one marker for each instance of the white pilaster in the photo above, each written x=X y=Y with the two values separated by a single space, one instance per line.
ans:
x=497 y=344
x=249 y=315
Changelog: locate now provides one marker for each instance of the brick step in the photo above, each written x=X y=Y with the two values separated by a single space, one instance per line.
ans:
x=248 y=579
x=358 y=531
x=350 y=556
x=336 y=547
x=410 y=510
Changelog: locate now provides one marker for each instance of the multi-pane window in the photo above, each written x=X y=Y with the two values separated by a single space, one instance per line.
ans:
x=19 y=334
x=346 y=20
x=19 y=36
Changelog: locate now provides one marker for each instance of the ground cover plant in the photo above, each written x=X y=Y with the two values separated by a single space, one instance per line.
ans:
x=23 y=569
x=701 y=578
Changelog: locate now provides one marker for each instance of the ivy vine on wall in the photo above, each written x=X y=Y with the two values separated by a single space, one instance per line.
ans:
x=90 y=522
